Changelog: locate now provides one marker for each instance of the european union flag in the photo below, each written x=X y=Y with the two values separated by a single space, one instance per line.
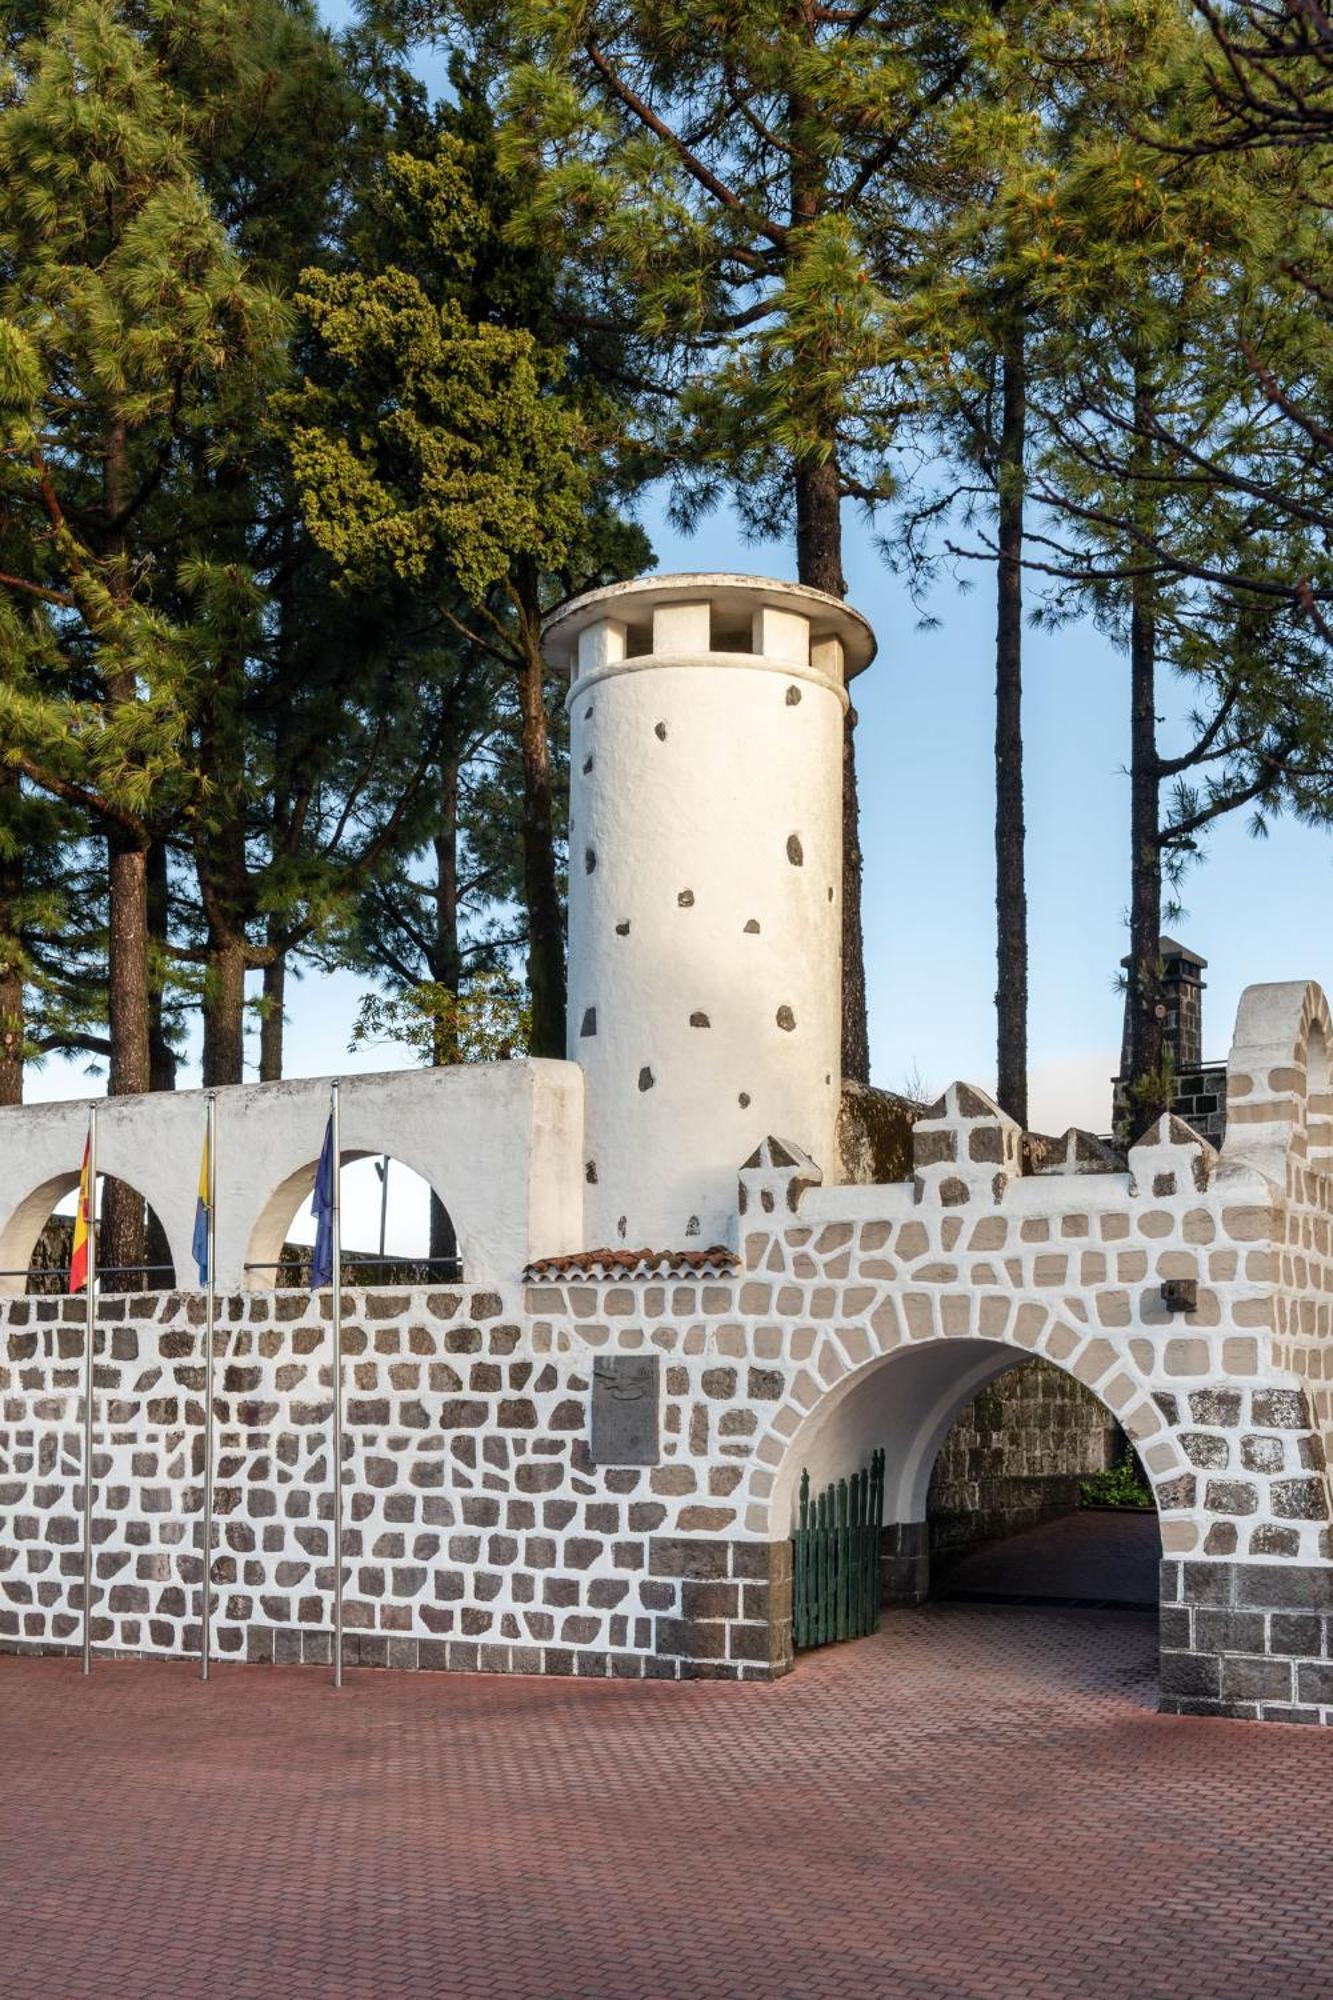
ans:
x=321 y=1263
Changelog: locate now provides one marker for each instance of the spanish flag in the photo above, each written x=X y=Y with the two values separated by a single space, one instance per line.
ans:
x=78 y=1263
x=201 y=1215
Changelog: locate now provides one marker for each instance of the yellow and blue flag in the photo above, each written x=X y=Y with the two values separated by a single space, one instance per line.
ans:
x=201 y=1215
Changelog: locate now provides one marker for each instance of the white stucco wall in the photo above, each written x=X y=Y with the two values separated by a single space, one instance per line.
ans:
x=501 y=1144
x=705 y=889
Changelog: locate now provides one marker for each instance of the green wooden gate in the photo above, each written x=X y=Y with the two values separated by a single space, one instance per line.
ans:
x=836 y=1567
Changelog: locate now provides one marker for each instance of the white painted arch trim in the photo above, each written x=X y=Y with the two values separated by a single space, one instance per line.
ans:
x=906 y=1397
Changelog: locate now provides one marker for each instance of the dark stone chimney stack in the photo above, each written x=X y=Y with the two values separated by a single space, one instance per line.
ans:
x=1182 y=989
x=1182 y=995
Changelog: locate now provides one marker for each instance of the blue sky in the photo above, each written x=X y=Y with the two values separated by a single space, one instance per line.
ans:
x=1257 y=909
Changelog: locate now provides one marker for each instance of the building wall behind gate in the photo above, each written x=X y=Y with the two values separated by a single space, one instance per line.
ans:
x=1017 y=1456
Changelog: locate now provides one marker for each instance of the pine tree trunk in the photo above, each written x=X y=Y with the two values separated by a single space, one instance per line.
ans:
x=12 y=1024
x=541 y=890
x=122 y=1237
x=161 y=1055
x=224 y=881
x=1149 y=1090
x=819 y=563
x=819 y=527
x=122 y=1245
x=272 y=1019
x=446 y=970
x=1011 y=909
x=447 y=958
x=1145 y=1008
x=224 y=1010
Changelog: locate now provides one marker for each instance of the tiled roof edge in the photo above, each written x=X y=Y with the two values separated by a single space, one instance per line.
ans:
x=602 y=1265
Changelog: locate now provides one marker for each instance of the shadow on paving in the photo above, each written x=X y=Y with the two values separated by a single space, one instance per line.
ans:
x=1097 y=1558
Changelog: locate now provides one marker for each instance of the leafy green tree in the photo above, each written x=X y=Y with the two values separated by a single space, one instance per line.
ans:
x=1145 y=388
x=445 y=447
x=130 y=339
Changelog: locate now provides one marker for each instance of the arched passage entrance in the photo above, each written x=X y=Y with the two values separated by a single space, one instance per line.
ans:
x=904 y=1402
x=1038 y=1498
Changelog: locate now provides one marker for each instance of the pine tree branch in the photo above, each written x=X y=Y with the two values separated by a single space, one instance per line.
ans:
x=60 y=597
x=764 y=226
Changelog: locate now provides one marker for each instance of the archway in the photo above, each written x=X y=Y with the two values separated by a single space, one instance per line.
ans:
x=37 y=1239
x=905 y=1402
x=396 y=1229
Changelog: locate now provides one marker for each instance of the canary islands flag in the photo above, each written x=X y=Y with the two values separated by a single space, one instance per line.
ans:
x=78 y=1262
x=202 y=1214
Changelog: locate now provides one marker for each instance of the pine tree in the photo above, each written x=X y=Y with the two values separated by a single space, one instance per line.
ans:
x=1147 y=391
x=126 y=324
x=451 y=446
x=726 y=176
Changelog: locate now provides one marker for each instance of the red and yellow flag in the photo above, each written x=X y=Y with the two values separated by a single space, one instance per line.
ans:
x=78 y=1263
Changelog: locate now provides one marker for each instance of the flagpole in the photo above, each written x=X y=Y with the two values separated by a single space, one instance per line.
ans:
x=337 y=1395
x=205 y=1642
x=90 y=1302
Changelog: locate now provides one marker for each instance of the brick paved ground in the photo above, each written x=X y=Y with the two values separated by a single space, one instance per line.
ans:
x=978 y=1802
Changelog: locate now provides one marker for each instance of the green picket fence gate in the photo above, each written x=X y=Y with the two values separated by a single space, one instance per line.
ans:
x=836 y=1586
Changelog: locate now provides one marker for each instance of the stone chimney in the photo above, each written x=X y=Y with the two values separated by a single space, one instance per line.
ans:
x=1182 y=993
x=1182 y=986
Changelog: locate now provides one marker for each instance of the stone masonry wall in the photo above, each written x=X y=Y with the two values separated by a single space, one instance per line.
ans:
x=1015 y=1457
x=479 y=1533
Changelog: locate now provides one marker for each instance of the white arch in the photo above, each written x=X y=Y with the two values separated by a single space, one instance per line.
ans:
x=41 y=1151
x=275 y=1218
x=905 y=1399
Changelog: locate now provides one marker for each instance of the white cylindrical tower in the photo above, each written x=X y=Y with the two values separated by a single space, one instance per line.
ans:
x=705 y=888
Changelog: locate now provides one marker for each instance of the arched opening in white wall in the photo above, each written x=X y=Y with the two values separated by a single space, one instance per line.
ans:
x=37 y=1239
x=987 y=1452
x=396 y=1229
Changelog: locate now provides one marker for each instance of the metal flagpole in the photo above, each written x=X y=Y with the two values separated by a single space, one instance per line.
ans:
x=337 y=1396
x=205 y=1643
x=90 y=1302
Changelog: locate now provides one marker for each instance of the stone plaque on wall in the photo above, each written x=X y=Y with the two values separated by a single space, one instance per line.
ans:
x=625 y=1409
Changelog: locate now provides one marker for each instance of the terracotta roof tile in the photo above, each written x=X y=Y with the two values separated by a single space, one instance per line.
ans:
x=715 y=1262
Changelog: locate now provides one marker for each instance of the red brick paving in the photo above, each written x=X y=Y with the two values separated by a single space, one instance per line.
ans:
x=977 y=1802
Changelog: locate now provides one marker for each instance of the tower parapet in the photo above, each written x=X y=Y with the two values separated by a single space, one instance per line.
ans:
x=705 y=886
